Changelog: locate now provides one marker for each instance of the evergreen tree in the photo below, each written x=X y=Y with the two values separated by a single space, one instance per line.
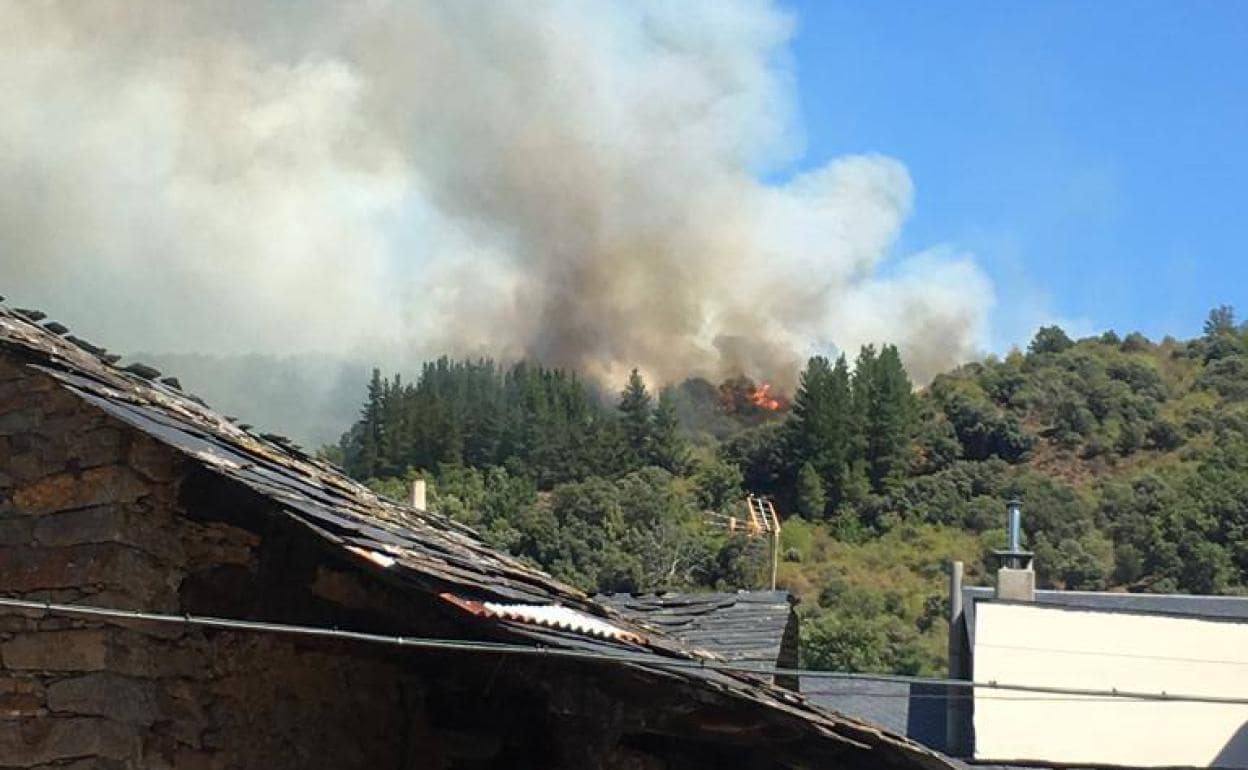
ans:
x=539 y=423
x=888 y=416
x=821 y=428
x=364 y=456
x=636 y=408
x=808 y=426
x=668 y=448
x=862 y=395
x=811 y=500
x=393 y=431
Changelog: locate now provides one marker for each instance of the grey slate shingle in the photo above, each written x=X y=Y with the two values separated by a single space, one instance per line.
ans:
x=752 y=627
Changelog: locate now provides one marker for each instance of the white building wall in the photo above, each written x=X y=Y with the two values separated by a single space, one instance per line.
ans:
x=1055 y=647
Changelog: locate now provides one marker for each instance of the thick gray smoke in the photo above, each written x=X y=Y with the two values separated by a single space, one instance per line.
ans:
x=572 y=181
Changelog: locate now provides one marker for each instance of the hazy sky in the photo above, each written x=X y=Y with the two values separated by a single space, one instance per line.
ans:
x=692 y=188
x=1091 y=155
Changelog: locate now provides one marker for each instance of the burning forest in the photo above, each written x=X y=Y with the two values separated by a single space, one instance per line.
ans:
x=571 y=184
x=740 y=395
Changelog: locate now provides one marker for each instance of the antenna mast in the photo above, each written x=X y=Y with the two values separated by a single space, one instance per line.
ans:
x=762 y=521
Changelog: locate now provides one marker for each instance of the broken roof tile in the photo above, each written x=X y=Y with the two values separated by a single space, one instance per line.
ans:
x=376 y=557
x=87 y=346
x=142 y=370
x=745 y=626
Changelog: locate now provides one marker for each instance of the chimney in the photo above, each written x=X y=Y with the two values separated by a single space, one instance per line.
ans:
x=418 y=495
x=1016 y=579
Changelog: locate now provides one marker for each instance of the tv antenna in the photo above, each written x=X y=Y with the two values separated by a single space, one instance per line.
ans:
x=761 y=521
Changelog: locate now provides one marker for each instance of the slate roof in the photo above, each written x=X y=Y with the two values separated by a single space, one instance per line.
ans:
x=914 y=710
x=757 y=627
x=886 y=704
x=421 y=550
x=752 y=626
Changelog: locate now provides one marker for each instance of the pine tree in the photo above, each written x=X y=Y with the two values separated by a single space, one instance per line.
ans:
x=366 y=455
x=810 y=411
x=840 y=451
x=888 y=409
x=637 y=410
x=821 y=430
x=811 y=499
x=862 y=396
x=393 y=431
x=668 y=448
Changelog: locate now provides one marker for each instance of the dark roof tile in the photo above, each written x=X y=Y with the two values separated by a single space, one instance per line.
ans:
x=744 y=626
x=87 y=346
x=142 y=370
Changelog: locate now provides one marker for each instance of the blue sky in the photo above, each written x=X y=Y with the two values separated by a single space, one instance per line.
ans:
x=1092 y=155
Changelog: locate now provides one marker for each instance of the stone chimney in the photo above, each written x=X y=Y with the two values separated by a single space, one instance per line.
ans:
x=1016 y=578
x=418 y=495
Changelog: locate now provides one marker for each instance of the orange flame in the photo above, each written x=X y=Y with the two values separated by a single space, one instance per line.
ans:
x=762 y=398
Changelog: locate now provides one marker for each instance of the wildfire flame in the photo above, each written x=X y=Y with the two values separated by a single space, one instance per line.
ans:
x=742 y=397
x=763 y=399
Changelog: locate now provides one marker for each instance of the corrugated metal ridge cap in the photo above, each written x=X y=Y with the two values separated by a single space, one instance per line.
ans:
x=548 y=615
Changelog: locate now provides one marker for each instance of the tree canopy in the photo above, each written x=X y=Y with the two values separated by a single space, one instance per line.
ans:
x=1131 y=457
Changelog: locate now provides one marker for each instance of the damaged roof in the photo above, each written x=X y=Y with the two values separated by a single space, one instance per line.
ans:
x=425 y=551
x=744 y=626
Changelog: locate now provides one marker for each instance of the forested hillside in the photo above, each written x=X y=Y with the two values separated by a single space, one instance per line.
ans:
x=1131 y=457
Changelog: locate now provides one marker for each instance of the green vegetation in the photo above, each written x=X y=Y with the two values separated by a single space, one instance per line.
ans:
x=609 y=499
x=1131 y=458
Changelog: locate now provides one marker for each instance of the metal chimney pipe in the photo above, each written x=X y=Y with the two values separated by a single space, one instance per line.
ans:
x=1016 y=580
x=1014 y=524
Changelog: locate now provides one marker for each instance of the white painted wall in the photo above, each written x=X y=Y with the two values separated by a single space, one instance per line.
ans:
x=1038 y=645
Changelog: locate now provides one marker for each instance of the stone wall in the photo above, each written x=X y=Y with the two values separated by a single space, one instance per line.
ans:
x=92 y=512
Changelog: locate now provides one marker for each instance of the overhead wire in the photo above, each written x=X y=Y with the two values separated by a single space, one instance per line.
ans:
x=1109 y=654
x=616 y=656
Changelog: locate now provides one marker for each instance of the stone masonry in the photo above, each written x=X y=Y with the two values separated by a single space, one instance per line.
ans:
x=94 y=513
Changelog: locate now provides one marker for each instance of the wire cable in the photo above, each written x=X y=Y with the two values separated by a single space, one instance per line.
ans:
x=1108 y=654
x=620 y=656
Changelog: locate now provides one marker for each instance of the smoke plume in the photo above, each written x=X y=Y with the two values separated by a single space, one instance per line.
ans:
x=576 y=182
